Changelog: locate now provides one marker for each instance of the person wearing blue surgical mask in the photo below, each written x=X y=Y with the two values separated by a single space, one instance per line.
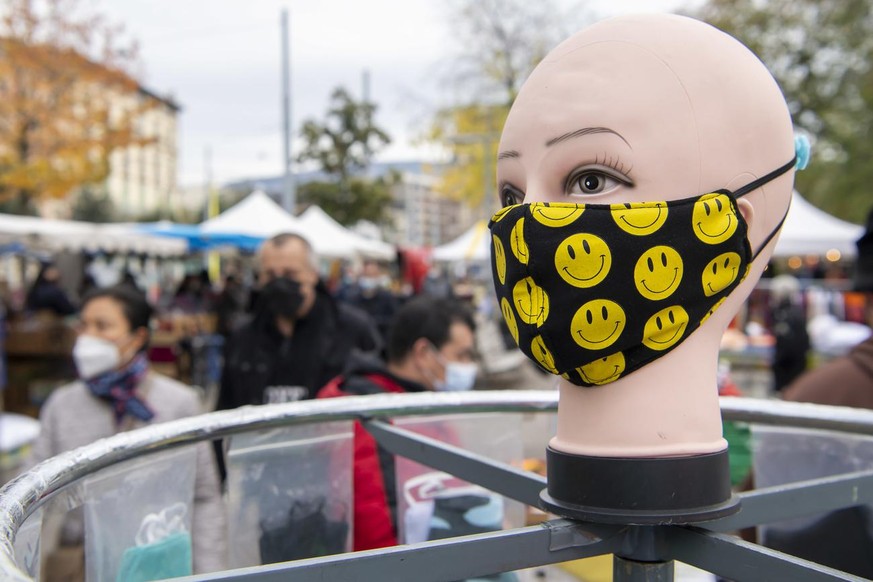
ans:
x=431 y=347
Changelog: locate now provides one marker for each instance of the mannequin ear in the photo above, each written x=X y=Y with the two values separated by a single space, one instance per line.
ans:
x=747 y=210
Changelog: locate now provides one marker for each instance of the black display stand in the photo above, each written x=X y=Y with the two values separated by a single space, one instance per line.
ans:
x=639 y=491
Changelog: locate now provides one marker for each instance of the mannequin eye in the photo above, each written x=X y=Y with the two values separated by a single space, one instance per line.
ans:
x=589 y=182
x=509 y=196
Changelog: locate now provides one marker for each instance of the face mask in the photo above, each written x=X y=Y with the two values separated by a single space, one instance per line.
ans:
x=94 y=356
x=460 y=376
x=281 y=297
x=368 y=284
x=593 y=292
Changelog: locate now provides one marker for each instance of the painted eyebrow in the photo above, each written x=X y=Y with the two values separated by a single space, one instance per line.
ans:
x=581 y=132
x=508 y=154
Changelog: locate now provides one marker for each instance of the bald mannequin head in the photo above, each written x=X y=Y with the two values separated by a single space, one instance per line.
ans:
x=644 y=109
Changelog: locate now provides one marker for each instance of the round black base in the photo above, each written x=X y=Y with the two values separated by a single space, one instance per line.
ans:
x=639 y=491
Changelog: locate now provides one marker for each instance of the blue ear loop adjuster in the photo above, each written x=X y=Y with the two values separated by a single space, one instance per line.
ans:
x=803 y=150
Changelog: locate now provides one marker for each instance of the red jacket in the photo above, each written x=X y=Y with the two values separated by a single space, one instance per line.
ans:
x=375 y=496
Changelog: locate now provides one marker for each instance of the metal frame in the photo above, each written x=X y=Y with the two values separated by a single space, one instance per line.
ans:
x=641 y=552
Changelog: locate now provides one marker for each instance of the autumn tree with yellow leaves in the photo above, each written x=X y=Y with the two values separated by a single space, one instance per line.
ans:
x=62 y=70
x=498 y=43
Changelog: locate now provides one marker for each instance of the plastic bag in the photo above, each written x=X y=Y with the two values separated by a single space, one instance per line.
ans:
x=62 y=532
x=137 y=518
x=840 y=539
x=436 y=505
x=27 y=545
x=289 y=493
x=163 y=548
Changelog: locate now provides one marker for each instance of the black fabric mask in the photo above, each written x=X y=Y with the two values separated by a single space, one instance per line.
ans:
x=281 y=297
x=593 y=292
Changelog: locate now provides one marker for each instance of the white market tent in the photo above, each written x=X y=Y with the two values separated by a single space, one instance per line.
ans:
x=810 y=231
x=71 y=235
x=331 y=239
x=807 y=231
x=256 y=216
x=472 y=246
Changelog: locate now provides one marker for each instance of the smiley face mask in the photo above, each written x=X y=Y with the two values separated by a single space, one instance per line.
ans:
x=593 y=292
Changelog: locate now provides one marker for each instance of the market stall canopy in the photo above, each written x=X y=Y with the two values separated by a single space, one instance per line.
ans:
x=256 y=216
x=194 y=238
x=810 y=231
x=472 y=246
x=331 y=239
x=70 y=235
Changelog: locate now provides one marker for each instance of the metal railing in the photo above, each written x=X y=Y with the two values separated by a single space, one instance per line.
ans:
x=642 y=552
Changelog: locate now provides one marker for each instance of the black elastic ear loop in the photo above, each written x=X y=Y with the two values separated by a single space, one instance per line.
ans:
x=773 y=233
x=754 y=185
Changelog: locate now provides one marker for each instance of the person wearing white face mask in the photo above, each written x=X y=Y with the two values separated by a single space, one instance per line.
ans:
x=431 y=346
x=117 y=392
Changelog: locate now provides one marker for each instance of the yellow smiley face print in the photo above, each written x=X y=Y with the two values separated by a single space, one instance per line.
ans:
x=531 y=302
x=598 y=324
x=498 y=216
x=556 y=214
x=516 y=242
x=665 y=328
x=658 y=272
x=713 y=219
x=720 y=272
x=604 y=370
x=542 y=354
x=499 y=258
x=639 y=218
x=711 y=311
x=583 y=260
x=509 y=318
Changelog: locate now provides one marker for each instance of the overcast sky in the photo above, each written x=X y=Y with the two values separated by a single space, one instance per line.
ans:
x=220 y=59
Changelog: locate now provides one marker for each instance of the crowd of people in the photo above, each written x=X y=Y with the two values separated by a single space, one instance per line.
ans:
x=293 y=337
x=290 y=338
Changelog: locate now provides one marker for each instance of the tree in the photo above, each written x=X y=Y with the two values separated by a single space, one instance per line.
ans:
x=358 y=200
x=821 y=54
x=471 y=133
x=343 y=146
x=499 y=42
x=61 y=73
x=346 y=141
x=93 y=206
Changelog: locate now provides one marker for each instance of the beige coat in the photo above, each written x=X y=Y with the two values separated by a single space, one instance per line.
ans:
x=72 y=417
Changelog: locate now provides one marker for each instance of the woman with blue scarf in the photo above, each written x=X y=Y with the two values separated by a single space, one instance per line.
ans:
x=117 y=391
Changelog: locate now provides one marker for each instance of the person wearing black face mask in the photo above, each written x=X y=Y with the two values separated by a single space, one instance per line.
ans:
x=299 y=337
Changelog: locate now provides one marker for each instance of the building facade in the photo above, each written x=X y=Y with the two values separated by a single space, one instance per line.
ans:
x=143 y=178
x=422 y=216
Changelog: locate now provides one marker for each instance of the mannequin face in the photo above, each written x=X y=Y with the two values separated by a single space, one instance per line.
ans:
x=648 y=108
x=639 y=109
x=581 y=133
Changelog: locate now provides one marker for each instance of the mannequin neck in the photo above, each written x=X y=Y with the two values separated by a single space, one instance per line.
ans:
x=667 y=408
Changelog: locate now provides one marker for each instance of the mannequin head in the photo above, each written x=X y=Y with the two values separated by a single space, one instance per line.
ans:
x=644 y=109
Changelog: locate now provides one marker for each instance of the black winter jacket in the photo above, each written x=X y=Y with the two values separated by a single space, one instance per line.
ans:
x=258 y=357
